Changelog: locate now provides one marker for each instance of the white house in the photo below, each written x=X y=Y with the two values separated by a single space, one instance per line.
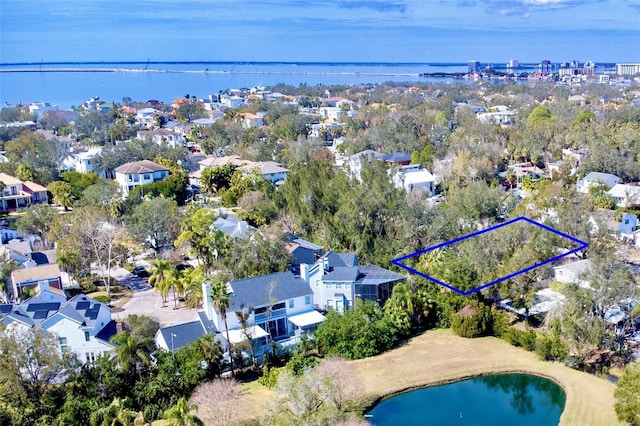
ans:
x=280 y=306
x=146 y=117
x=594 y=178
x=357 y=162
x=571 y=273
x=162 y=137
x=625 y=195
x=82 y=161
x=499 y=114
x=231 y=101
x=413 y=177
x=139 y=173
x=17 y=194
x=82 y=324
x=270 y=170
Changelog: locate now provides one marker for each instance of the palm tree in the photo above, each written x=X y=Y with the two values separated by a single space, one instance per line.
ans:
x=131 y=352
x=193 y=279
x=180 y=414
x=119 y=412
x=160 y=278
x=220 y=302
x=177 y=284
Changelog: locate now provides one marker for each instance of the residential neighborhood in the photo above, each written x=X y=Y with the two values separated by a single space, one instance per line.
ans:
x=254 y=232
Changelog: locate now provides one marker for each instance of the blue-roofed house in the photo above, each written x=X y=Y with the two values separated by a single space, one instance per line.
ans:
x=302 y=251
x=337 y=280
x=176 y=336
x=82 y=324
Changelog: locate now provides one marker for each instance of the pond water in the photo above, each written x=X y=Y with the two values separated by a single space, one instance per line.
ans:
x=502 y=399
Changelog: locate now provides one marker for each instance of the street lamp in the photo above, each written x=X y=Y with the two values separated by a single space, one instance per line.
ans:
x=173 y=353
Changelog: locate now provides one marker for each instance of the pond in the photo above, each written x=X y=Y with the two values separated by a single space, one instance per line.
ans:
x=507 y=399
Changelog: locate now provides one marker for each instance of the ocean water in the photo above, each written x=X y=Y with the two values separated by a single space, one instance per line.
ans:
x=503 y=399
x=67 y=84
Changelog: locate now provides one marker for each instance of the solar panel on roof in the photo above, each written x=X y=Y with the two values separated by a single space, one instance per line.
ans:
x=93 y=312
x=82 y=305
x=40 y=314
x=43 y=307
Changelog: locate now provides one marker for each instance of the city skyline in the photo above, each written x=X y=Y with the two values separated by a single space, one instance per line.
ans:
x=323 y=31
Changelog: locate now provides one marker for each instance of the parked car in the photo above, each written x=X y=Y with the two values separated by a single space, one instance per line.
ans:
x=141 y=271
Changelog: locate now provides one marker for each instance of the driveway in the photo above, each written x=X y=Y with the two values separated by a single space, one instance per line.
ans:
x=147 y=301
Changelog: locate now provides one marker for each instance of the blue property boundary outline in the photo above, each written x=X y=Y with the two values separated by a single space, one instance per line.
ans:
x=581 y=246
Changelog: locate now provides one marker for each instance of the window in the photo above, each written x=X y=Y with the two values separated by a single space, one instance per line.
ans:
x=307 y=300
x=291 y=303
x=63 y=344
x=338 y=286
x=147 y=176
x=129 y=178
x=86 y=336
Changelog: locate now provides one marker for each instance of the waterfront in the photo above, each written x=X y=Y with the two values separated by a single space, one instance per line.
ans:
x=520 y=399
x=67 y=84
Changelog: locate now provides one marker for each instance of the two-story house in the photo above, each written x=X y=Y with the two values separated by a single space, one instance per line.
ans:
x=413 y=178
x=270 y=170
x=83 y=161
x=280 y=308
x=34 y=276
x=17 y=194
x=162 y=137
x=596 y=178
x=82 y=324
x=337 y=280
x=139 y=173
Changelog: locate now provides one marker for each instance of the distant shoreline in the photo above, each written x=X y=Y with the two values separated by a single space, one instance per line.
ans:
x=208 y=71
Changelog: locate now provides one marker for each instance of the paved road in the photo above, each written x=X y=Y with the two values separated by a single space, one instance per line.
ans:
x=147 y=301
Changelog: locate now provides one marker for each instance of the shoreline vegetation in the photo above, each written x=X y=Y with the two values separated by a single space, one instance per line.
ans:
x=439 y=357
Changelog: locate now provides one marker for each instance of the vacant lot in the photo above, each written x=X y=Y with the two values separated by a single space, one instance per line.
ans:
x=439 y=356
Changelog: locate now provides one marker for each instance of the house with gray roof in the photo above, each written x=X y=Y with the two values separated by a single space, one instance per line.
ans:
x=302 y=251
x=139 y=173
x=279 y=307
x=82 y=324
x=595 y=178
x=358 y=161
x=177 y=336
x=337 y=280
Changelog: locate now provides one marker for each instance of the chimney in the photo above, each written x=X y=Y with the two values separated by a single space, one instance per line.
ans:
x=326 y=263
x=304 y=272
x=206 y=300
x=43 y=285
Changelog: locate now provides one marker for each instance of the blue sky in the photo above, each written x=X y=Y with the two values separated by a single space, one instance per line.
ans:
x=320 y=30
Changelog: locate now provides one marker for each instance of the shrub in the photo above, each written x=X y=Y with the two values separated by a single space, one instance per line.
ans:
x=102 y=299
x=519 y=338
x=473 y=320
x=270 y=376
x=499 y=322
x=551 y=348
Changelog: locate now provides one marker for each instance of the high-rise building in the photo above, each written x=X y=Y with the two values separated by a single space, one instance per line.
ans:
x=628 y=69
x=545 y=66
x=474 y=66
